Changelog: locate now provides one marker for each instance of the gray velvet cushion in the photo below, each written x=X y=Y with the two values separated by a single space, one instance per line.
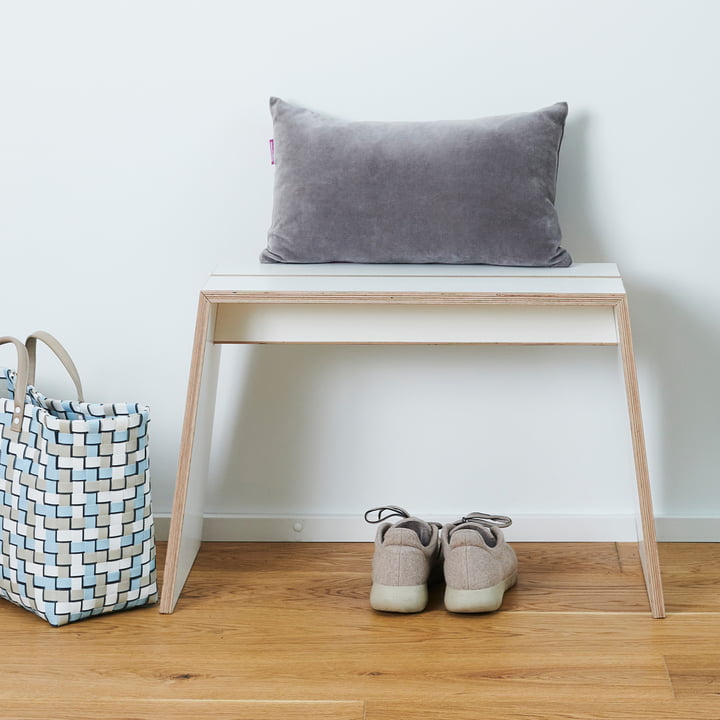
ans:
x=465 y=191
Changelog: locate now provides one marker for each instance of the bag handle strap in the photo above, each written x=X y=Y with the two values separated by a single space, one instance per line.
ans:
x=21 y=382
x=60 y=352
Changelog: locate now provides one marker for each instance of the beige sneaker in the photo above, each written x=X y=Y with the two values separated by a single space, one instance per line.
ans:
x=479 y=565
x=407 y=555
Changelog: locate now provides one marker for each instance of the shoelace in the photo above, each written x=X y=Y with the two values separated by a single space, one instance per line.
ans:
x=483 y=524
x=385 y=512
x=476 y=518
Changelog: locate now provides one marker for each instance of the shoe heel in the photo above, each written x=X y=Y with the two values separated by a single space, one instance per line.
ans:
x=399 y=598
x=477 y=601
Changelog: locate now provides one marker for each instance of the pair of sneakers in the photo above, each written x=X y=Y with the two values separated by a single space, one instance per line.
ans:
x=478 y=565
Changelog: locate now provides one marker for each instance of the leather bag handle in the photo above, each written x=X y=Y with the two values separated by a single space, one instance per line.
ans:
x=61 y=353
x=21 y=381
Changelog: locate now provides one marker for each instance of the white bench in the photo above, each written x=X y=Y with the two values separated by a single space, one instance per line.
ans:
x=585 y=304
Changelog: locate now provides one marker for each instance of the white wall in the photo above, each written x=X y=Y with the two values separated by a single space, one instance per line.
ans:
x=133 y=160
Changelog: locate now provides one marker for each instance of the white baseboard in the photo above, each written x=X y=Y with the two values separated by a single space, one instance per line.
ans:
x=688 y=529
x=525 y=528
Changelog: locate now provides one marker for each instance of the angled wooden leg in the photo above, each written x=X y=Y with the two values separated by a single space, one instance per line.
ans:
x=646 y=525
x=187 y=516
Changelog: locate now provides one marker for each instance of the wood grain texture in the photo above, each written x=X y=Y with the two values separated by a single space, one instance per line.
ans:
x=695 y=675
x=343 y=297
x=602 y=708
x=692 y=576
x=271 y=630
x=182 y=710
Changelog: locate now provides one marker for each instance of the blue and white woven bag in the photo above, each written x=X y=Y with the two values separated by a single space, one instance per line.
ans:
x=76 y=525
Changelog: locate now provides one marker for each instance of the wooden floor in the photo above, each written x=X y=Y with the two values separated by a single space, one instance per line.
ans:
x=284 y=631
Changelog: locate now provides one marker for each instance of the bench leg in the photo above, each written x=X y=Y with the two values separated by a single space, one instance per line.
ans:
x=646 y=521
x=186 y=523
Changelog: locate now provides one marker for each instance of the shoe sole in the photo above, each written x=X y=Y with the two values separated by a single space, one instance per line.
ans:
x=478 y=601
x=399 y=598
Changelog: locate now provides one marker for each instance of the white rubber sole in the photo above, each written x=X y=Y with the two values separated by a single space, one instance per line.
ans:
x=478 y=601
x=399 y=598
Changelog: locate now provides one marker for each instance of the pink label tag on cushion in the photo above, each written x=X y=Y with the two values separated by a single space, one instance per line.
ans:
x=272 y=151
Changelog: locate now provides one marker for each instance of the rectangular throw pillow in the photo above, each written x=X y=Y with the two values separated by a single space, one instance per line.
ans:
x=462 y=192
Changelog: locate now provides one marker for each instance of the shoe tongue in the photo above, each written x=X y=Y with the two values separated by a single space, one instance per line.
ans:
x=486 y=532
x=420 y=527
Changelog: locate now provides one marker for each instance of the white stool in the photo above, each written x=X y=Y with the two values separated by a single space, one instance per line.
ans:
x=584 y=304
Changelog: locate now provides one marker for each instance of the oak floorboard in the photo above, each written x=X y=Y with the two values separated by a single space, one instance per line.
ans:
x=695 y=675
x=286 y=630
x=302 y=674
x=278 y=632
x=553 y=576
x=602 y=708
x=691 y=576
x=181 y=710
